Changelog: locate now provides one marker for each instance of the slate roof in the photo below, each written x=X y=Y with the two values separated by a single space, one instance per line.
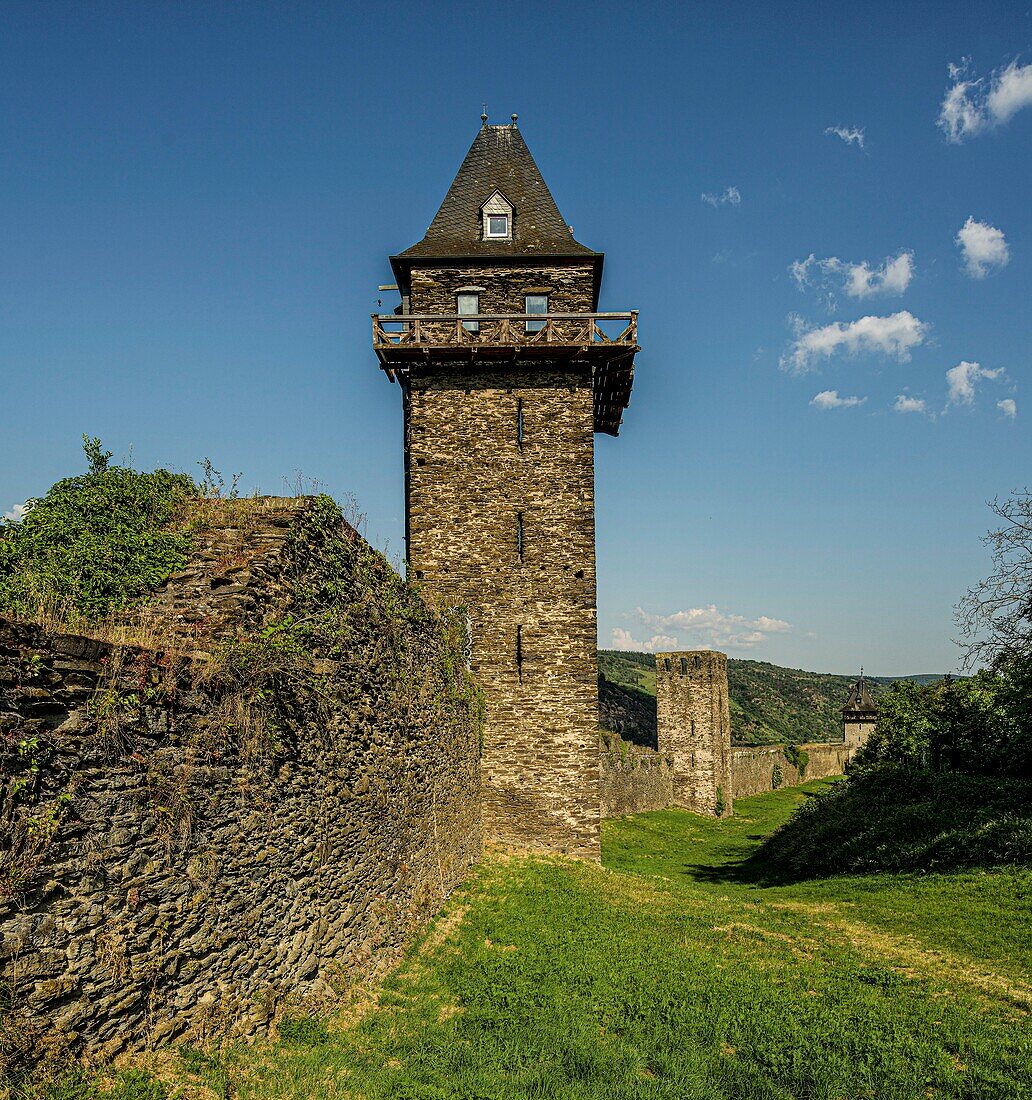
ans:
x=498 y=160
x=860 y=699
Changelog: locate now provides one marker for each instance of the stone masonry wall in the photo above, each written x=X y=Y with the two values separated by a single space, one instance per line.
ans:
x=753 y=767
x=189 y=844
x=695 y=728
x=472 y=485
x=634 y=779
x=502 y=288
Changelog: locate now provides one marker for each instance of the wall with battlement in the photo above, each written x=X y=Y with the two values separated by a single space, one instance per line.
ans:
x=633 y=779
x=193 y=836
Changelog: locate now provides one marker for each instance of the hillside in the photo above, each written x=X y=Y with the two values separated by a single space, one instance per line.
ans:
x=769 y=704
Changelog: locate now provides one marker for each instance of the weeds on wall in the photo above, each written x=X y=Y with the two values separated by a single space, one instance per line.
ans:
x=94 y=542
x=797 y=757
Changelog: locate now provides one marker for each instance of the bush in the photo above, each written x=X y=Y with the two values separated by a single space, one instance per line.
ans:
x=894 y=818
x=979 y=725
x=96 y=542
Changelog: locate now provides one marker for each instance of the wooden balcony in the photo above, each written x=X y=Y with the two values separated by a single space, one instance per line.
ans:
x=605 y=341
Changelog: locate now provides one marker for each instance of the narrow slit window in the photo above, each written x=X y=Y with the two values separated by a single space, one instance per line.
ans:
x=519 y=652
x=536 y=303
x=684 y=666
x=519 y=423
x=468 y=305
x=666 y=664
x=519 y=535
x=698 y=661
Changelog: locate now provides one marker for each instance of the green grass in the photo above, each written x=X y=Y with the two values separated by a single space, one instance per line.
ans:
x=673 y=972
x=896 y=818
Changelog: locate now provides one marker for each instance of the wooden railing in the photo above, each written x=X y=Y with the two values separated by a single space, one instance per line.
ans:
x=415 y=330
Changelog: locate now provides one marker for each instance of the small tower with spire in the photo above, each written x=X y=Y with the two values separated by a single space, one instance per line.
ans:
x=507 y=370
x=859 y=715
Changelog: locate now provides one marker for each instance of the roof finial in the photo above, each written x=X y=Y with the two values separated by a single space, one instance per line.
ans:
x=514 y=117
x=483 y=116
x=861 y=672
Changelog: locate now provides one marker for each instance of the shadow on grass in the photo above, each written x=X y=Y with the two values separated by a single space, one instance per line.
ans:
x=901 y=820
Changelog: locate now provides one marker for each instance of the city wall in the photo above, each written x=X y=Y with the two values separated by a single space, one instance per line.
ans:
x=192 y=838
x=753 y=768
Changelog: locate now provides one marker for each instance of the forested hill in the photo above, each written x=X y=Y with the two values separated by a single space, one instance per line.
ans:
x=769 y=704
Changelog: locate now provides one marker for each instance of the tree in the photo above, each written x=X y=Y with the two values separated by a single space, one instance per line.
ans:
x=995 y=620
x=995 y=617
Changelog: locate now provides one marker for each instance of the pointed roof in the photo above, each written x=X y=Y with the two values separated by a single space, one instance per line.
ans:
x=860 y=700
x=498 y=160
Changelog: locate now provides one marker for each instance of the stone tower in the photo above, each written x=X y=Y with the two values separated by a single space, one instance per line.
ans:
x=507 y=371
x=694 y=727
x=859 y=715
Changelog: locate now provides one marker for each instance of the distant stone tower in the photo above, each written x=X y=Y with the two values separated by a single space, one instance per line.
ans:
x=694 y=727
x=859 y=715
x=506 y=373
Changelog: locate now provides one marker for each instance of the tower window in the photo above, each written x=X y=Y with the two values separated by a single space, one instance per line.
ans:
x=536 y=303
x=519 y=535
x=497 y=215
x=666 y=664
x=519 y=652
x=684 y=666
x=519 y=422
x=468 y=305
x=698 y=661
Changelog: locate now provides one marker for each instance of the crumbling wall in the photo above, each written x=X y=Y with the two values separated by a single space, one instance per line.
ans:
x=191 y=837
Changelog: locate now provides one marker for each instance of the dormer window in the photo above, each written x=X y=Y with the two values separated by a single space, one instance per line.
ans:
x=497 y=215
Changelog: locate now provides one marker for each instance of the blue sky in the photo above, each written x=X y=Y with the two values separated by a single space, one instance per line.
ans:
x=197 y=202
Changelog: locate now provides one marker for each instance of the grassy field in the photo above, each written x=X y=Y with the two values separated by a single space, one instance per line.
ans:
x=672 y=972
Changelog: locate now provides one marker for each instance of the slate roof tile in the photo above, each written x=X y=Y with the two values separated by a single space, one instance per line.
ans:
x=498 y=160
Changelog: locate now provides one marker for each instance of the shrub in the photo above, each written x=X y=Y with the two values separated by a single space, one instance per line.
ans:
x=777 y=777
x=96 y=542
x=894 y=818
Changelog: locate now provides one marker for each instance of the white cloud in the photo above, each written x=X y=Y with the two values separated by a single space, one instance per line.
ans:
x=962 y=380
x=829 y=399
x=17 y=513
x=1008 y=406
x=897 y=335
x=905 y=404
x=730 y=196
x=706 y=628
x=984 y=247
x=622 y=639
x=851 y=135
x=972 y=106
x=858 y=280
